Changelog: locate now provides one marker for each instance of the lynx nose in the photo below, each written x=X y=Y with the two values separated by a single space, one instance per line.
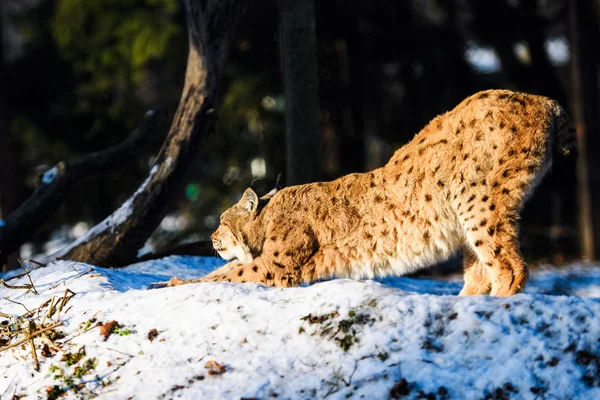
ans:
x=216 y=242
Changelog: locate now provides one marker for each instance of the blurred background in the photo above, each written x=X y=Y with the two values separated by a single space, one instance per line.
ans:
x=76 y=76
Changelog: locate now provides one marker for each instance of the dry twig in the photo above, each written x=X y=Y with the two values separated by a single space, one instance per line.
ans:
x=28 y=276
x=6 y=285
x=16 y=302
x=65 y=299
x=120 y=352
x=36 y=363
x=39 y=264
x=32 y=335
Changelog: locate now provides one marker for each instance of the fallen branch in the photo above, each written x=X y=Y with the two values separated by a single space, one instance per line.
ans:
x=199 y=248
x=115 y=241
x=21 y=224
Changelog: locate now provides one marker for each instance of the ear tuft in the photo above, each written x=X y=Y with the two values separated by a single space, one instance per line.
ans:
x=249 y=200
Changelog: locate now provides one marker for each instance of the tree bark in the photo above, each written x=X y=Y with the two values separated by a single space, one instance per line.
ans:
x=116 y=240
x=304 y=142
x=585 y=110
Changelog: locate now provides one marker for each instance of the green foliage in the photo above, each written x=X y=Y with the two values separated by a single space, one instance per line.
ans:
x=108 y=37
x=88 y=323
x=122 y=331
x=54 y=392
x=74 y=358
x=87 y=72
x=87 y=366
x=66 y=379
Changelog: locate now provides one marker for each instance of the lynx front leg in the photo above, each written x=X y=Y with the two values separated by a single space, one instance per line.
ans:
x=477 y=280
x=218 y=272
x=258 y=271
x=330 y=261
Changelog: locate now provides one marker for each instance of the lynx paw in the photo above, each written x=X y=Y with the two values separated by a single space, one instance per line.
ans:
x=175 y=281
x=172 y=282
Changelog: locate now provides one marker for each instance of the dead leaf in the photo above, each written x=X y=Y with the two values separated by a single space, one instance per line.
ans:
x=152 y=334
x=214 y=368
x=108 y=328
x=47 y=352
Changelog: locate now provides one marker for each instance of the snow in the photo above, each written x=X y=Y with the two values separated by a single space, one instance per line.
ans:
x=49 y=175
x=336 y=339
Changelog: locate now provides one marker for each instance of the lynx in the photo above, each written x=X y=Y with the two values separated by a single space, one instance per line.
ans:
x=459 y=184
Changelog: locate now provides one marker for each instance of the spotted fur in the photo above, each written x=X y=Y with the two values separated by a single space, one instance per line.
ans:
x=458 y=185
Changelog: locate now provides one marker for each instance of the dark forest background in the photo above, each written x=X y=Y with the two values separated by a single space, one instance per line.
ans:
x=77 y=75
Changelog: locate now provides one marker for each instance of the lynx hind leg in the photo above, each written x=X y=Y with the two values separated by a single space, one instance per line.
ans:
x=493 y=239
x=488 y=212
x=477 y=277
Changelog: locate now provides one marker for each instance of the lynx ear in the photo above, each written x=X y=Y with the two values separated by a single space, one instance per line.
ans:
x=249 y=200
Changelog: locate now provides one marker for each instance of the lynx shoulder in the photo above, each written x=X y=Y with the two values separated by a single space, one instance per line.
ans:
x=458 y=185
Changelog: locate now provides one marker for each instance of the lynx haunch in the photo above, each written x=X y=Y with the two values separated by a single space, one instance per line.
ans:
x=458 y=185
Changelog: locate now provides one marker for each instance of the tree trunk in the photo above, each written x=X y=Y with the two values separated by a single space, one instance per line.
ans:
x=585 y=111
x=116 y=240
x=304 y=142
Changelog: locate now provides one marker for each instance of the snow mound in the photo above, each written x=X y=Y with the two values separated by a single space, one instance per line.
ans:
x=398 y=338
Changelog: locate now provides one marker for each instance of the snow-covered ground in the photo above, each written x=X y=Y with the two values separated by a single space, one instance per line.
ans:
x=397 y=338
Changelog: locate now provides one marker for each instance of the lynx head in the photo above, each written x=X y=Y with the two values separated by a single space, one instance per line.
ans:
x=229 y=239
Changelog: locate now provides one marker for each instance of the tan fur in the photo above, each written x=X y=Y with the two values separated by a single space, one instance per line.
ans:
x=458 y=185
